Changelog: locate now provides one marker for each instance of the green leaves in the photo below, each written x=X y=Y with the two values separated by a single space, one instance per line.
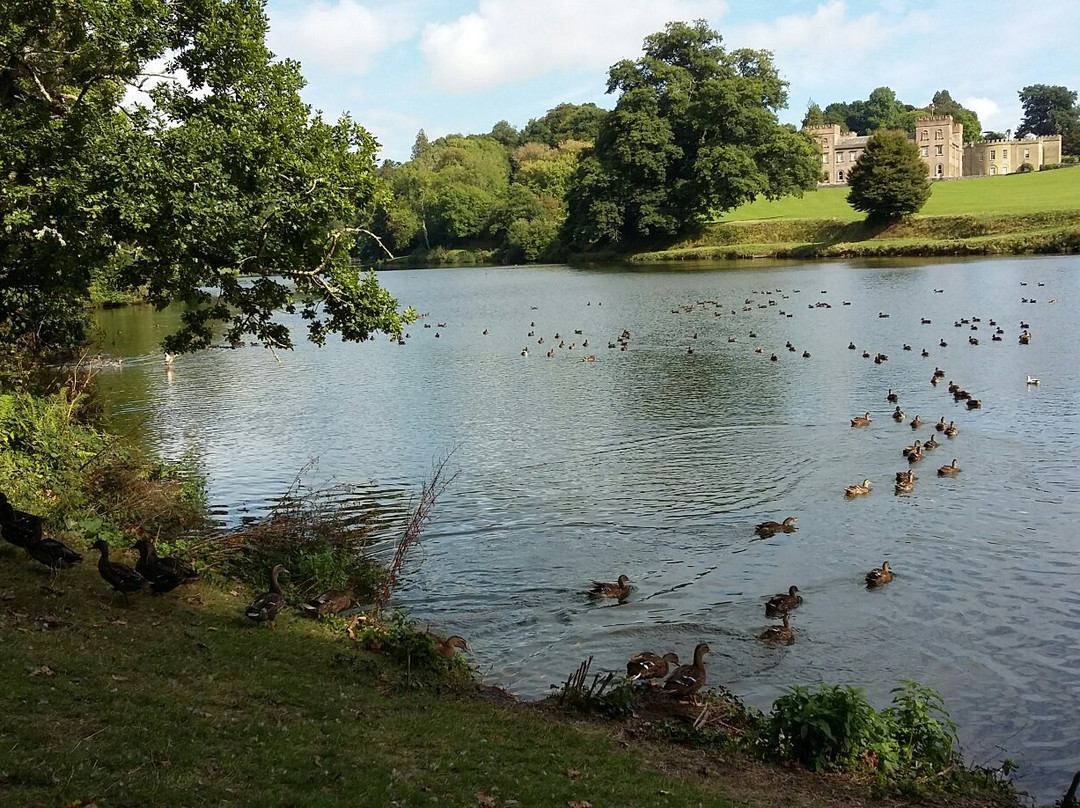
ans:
x=224 y=172
x=889 y=180
x=693 y=133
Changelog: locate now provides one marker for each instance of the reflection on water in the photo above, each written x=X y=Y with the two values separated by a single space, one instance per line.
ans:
x=657 y=462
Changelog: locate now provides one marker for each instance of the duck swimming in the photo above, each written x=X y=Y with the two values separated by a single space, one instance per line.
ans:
x=861 y=420
x=858 y=490
x=880 y=576
x=767 y=529
x=779 y=634
x=618 y=590
x=949 y=471
x=780 y=604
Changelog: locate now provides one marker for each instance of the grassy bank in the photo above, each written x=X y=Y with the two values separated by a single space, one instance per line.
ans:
x=179 y=700
x=1016 y=214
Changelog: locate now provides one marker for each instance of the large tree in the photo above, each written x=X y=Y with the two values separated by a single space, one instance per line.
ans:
x=1051 y=110
x=694 y=132
x=219 y=188
x=889 y=180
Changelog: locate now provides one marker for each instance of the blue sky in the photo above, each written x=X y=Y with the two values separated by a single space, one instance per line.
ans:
x=462 y=65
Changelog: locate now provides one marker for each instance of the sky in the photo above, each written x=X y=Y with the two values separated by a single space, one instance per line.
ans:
x=460 y=66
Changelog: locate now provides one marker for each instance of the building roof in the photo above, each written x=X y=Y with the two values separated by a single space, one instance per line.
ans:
x=850 y=142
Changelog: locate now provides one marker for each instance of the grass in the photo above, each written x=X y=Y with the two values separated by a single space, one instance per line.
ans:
x=179 y=700
x=1015 y=194
x=1015 y=214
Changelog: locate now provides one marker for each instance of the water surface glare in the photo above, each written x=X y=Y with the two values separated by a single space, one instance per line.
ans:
x=657 y=462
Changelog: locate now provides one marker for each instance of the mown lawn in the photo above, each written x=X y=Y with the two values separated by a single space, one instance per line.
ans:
x=1038 y=192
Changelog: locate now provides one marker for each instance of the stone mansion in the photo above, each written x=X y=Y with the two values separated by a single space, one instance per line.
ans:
x=941 y=143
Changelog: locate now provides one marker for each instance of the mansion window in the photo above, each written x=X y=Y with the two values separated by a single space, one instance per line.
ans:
x=925 y=151
x=993 y=154
x=839 y=157
x=940 y=170
x=1004 y=153
x=938 y=151
x=839 y=176
x=824 y=158
x=1027 y=153
x=938 y=135
x=925 y=134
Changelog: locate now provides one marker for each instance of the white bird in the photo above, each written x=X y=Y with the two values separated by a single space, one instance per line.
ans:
x=1032 y=380
x=169 y=359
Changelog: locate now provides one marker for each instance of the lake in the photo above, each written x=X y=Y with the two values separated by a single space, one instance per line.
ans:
x=656 y=463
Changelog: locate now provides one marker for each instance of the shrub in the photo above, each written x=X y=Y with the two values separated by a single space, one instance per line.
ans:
x=1025 y=168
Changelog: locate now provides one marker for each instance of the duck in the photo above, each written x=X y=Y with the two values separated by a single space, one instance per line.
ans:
x=781 y=604
x=1031 y=380
x=892 y=397
x=939 y=373
x=941 y=426
x=861 y=420
x=767 y=529
x=332 y=601
x=687 y=680
x=164 y=574
x=119 y=576
x=943 y=344
x=448 y=648
x=934 y=381
x=267 y=605
x=880 y=576
x=931 y=444
x=54 y=554
x=648 y=665
x=925 y=353
x=951 y=431
x=618 y=590
x=858 y=490
x=899 y=415
x=779 y=634
x=851 y=346
x=905 y=482
x=19 y=527
x=974 y=404
x=914 y=448
x=916 y=422
x=950 y=470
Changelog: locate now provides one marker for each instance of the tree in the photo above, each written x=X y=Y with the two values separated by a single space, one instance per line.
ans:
x=814 y=116
x=889 y=180
x=1051 y=110
x=505 y=134
x=693 y=133
x=884 y=111
x=565 y=122
x=221 y=172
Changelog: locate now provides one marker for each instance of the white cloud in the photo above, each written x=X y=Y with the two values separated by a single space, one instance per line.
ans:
x=506 y=41
x=344 y=37
x=991 y=115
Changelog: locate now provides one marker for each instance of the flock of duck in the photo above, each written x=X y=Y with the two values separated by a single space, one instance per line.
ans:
x=151 y=572
x=685 y=680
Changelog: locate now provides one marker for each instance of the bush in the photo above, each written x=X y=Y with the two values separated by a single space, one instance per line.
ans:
x=889 y=182
x=836 y=728
x=1025 y=168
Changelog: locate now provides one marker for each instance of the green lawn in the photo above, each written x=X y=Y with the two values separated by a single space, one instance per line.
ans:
x=1038 y=192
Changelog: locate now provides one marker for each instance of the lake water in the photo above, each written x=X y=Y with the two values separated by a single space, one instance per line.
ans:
x=656 y=463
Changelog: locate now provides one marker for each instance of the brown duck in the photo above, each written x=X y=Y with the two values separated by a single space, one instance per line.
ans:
x=332 y=601
x=449 y=647
x=648 y=665
x=687 y=680
x=767 y=529
x=618 y=590
x=164 y=574
x=949 y=471
x=779 y=634
x=880 y=576
x=781 y=604
x=267 y=605
x=119 y=576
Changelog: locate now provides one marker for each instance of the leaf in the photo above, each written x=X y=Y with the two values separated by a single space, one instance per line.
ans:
x=485 y=800
x=580 y=804
x=42 y=670
x=573 y=774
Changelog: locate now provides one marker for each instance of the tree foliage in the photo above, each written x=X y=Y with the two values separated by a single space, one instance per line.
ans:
x=219 y=173
x=889 y=180
x=564 y=122
x=883 y=110
x=694 y=132
x=1051 y=110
